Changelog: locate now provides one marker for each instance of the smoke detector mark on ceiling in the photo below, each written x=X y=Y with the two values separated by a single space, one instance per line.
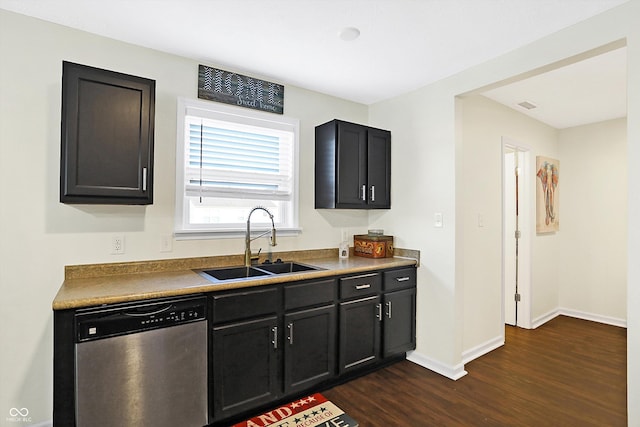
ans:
x=349 y=34
x=527 y=105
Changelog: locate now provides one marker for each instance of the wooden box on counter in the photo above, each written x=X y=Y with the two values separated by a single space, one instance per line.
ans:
x=373 y=246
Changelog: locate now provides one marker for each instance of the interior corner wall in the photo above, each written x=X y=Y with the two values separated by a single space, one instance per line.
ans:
x=485 y=124
x=592 y=256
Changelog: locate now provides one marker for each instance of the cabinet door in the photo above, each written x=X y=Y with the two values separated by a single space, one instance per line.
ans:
x=399 y=326
x=379 y=169
x=309 y=347
x=107 y=137
x=351 y=173
x=359 y=333
x=245 y=365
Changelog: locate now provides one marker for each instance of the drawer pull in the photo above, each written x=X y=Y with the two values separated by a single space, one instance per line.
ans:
x=379 y=312
x=365 y=286
x=389 y=309
x=402 y=279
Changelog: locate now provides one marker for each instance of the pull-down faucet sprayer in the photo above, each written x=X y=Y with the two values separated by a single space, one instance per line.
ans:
x=248 y=239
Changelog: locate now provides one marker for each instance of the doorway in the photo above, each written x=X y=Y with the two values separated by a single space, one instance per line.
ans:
x=516 y=234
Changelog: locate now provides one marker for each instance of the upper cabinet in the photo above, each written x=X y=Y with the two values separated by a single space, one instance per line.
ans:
x=352 y=166
x=106 y=154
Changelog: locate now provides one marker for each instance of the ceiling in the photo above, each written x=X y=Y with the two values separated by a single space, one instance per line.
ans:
x=589 y=91
x=403 y=44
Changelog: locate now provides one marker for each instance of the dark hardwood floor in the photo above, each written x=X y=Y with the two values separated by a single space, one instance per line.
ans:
x=567 y=372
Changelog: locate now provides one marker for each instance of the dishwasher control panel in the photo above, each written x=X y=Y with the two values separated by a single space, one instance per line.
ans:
x=122 y=319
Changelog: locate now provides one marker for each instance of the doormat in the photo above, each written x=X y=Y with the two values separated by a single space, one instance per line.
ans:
x=310 y=411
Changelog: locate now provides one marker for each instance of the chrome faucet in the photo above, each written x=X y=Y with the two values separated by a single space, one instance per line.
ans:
x=247 y=241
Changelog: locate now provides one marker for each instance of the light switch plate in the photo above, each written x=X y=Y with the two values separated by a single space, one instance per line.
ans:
x=437 y=219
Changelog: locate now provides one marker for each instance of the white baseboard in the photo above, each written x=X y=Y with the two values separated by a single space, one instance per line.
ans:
x=482 y=349
x=607 y=320
x=451 y=372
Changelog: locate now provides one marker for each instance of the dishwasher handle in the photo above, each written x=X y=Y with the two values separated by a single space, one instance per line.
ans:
x=140 y=312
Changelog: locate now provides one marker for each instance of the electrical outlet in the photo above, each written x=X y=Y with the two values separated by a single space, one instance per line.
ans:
x=117 y=244
x=166 y=243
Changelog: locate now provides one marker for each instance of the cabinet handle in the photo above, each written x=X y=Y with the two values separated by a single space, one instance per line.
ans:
x=373 y=193
x=389 y=309
x=290 y=327
x=379 y=312
x=364 y=193
x=365 y=286
x=144 y=179
x=275 y=337
x=402 y=279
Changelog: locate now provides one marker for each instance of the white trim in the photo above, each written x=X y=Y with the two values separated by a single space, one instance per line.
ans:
x=230 y=234
x=527 y=227
x=482 y=349
x=593 y=317
x=451 y=372
x=247 y=116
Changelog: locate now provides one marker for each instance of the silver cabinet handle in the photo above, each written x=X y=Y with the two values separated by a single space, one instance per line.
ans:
x=364 y=193
x=365 y=286
x=290 y=337
x=144 y=179
x=373 y=193
x=389 y=309
x=275 y=337
x=402 y=279
x=379 y=314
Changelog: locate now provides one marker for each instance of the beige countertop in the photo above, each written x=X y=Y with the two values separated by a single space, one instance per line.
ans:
x=96 y=284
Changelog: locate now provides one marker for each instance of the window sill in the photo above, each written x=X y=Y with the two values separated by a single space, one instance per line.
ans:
x=231 y=234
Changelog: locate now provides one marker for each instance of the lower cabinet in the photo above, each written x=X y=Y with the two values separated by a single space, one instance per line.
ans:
x=245 y=366
x=309 y=348
x=359 y=333
x=270 y=343
x=399 y=325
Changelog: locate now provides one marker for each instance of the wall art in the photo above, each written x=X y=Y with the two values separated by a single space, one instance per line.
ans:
x=233 y=88
x=547 y=195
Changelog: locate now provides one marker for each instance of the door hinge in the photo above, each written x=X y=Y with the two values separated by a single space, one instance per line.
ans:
x=517 y=234
x=517 y=297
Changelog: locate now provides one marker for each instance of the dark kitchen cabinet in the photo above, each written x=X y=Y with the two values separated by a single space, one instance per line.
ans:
x=360 y=321
x=245 y=350
x=399 y=307
x=245 y=365
x=309 y=348
x=352 y=166
x=107 y=137
x=359 y=333
x=399 y=323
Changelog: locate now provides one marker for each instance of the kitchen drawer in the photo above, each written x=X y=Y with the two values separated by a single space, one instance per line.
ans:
x=306 y=294
x=244 y=304
x=399 y=279
x=361 y=285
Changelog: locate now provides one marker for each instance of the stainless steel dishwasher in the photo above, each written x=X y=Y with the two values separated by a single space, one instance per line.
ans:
x=142 y=364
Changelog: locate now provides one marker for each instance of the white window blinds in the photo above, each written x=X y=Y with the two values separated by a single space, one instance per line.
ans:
x=229 y=160
x=237 y=160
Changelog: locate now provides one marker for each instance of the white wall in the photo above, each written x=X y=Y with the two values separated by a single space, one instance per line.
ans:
x=429 y=146
x=39 y=236
x=484 y=124
x=592 y=260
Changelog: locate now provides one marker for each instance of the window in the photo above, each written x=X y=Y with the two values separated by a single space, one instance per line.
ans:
x=230 y=160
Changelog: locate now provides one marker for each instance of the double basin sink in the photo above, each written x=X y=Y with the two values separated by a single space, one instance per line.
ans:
x=223 y=274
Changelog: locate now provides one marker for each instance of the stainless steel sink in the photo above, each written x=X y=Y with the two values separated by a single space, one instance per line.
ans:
x=232 y=273
x=224 y=274
x=285 y=267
